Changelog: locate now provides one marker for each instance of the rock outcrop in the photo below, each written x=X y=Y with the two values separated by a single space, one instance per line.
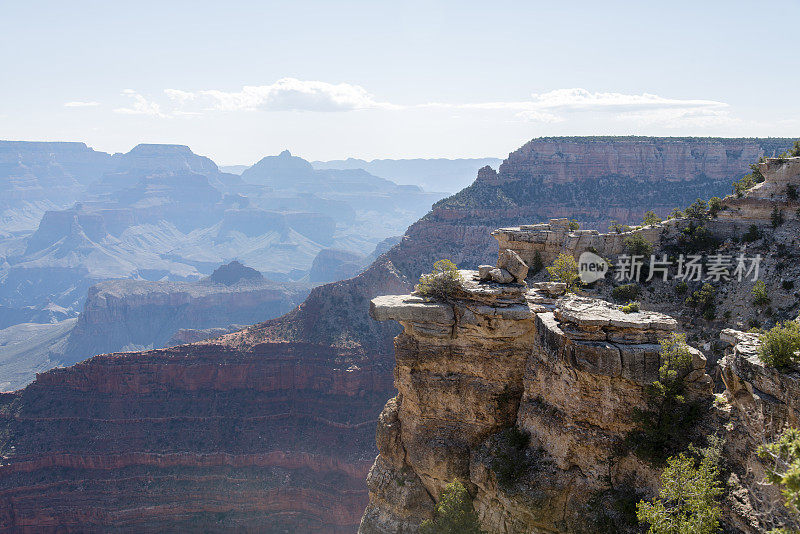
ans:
x=763 y=402
x=568 y=370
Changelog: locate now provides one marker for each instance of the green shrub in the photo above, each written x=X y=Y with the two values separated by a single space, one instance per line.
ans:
x=714 y=206
x=662 y=428
x=650 y=218
x=565 y=269
x=792 y=152
x=454 y=513
x=703 y=300
x=748 y=181
x=782 y=459
x=574 y=225
x=752 y=234
x=676 y=214
x=442 y=282
x=760 y=295
x=625 y=292
x=743 y=184
x=631 y=307
x=638 y=245
x=618 y=228
x=681 y=288
x=687 y=502
x=779 y=345
x=510 y=461
x=693 y=238
x=698 y=210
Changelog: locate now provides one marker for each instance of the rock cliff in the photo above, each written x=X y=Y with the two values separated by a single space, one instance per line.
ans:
x=568 y=370
x=214 y=436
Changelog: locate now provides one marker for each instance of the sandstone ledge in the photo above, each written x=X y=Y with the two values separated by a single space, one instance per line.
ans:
x=410 y=308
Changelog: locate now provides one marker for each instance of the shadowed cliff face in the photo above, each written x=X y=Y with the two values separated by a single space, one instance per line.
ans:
x=307 y=386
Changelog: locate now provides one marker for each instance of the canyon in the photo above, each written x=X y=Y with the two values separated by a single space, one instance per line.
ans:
x=273 y=426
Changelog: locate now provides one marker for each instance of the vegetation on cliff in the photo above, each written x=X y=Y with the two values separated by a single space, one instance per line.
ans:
x=779 y=346
x=704 y=301
x=687 y=502
x=783 y=466
x=661 y=428
x=565 y=269
x=454 y=513
x=625 y=292
x=748 y=181
x=442 y=282
x=638 y=245
x=631 y=307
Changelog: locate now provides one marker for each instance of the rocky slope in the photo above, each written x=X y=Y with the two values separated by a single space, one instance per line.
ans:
x=324 y=370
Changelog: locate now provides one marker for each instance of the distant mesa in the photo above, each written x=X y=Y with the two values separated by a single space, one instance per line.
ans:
x=233 y=273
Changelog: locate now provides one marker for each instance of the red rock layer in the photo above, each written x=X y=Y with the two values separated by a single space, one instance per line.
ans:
x=200 y=437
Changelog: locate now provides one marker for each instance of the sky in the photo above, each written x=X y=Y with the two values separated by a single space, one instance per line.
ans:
x=238 y=80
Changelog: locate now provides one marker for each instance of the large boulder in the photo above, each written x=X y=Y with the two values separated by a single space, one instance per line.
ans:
x=511 y=262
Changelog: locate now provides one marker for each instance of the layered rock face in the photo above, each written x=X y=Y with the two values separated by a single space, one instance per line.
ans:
x=594 y=180
x=255 y=430
x=778 y=193
x=763 y=402
x=132 y=315
x=568 y=370
x=213 y=437
x=599 y=179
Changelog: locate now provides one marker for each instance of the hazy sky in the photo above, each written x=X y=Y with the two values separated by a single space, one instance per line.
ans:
x=239 y=80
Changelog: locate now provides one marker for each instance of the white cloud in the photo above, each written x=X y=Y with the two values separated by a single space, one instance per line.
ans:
x=582 y=100
x=140 y=106
x=80 y=104
x=181 y=97
x=562 y=104
x=291 y=94
x=682 y=117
